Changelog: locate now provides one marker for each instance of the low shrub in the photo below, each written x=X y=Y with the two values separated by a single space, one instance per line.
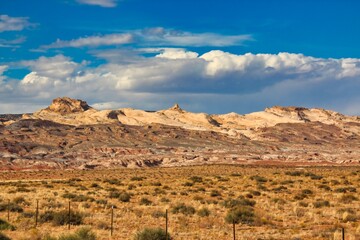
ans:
x=164 y=200
x=20 y=200
x=345 y=189
x=215 y=193
x=23 y=189
x=278 y=201
x=184 y=209
x=28 y=214
x=158 y=191
x=334 y=182
x=348 y=198
x=114 y=194
x=152 y=234
x=48 y=237
x=62 y=218
x=101 y=201
x=313 y=176
x=300 y=196
x=95 y=185
x=221 y=179
x=78 y=198
x=137 y=178
x=303 y=204
x=156 y=184
x=198 y=198
x=47 y=216
x=113 y=181
x=243 y=214
x=4 y=225
x=294 y=173
x=287 y=182
x=81 y=234
x=145 y=201
x=196 y=179
x=259 y=179
x=4 y=237
x=231 y=203
x=280 y=189
x=325 y=187
x=307 y=192
x=203 y=212
x=321 y=203
x=13 y=207
x=158 y=214
x=69 y=195
x=124 y=197
x=255 y=193
x=188 y=184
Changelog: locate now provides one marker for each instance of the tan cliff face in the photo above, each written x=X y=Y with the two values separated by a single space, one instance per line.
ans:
x=66 y=105
x=73 y=112
x=77 y=112
x=71 y=134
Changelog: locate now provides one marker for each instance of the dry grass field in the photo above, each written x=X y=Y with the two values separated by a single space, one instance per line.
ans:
x=202 y=201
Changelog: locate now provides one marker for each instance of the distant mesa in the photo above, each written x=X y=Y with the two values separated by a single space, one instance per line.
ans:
x=77 y=112
x=66 y=105
x=69 y=134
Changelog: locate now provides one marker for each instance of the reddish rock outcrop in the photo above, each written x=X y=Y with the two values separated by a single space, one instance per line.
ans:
x=71 y=134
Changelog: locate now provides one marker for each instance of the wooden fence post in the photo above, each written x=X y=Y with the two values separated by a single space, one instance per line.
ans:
x=37 y=212
x=8 y=210
x=166 y=224
x=234 y=234
x=69 y=216
x=112 y=220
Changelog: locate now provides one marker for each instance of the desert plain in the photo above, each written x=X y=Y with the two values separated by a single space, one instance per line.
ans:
x=283 y=173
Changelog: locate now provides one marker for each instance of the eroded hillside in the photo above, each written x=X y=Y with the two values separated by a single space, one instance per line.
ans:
x=71 y=134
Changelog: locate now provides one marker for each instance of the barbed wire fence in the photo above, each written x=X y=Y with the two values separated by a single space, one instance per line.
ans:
x=236 y=232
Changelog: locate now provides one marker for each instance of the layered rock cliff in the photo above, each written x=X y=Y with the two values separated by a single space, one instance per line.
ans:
x=71 y=134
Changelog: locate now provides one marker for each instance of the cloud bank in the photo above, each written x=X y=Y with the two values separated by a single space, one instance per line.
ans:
x=215 y=81
x=154 y=37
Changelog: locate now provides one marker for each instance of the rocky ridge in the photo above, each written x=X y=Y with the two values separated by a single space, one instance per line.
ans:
x=71 y=134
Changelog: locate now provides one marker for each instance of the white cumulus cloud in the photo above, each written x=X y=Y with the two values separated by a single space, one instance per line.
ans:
x=215 y=81
x=3 y=68
x=14 y=43
x=8 y=23
x=101 y=3
x=170 y=53
x=154 y=37
x=92 y=41
x=168 y=37
x=59 y=67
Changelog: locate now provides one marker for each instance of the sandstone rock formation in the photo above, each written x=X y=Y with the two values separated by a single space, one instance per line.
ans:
x=77 y=112
x=71 y=134
x=68 y=105
x=74 y=112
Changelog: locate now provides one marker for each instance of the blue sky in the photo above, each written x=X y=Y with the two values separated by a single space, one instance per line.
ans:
x=211 y=56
